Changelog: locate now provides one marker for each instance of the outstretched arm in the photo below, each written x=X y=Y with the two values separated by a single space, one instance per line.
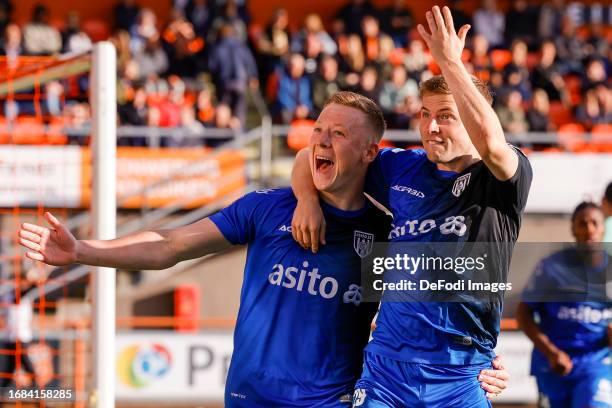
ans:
x=157 y=249
x=308 y=224
x=559 y=361
x=476 y=113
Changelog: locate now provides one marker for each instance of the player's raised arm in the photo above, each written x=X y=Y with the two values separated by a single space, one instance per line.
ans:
x=158 y=249
x=308 y=223
x=477 y=115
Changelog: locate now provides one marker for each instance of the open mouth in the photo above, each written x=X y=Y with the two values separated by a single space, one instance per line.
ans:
x=323 y=163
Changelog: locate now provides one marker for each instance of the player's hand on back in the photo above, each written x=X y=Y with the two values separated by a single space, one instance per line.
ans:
x=496 y=380
x=444 y=43
x=560 y=362
x=54 y=246
x=308 y=225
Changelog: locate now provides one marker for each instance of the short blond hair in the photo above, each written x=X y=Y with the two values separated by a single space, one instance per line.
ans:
x=437 y=85
x=364 y=104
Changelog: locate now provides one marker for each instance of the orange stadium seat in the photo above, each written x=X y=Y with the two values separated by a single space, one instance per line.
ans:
x=560 y=114
x=5 y=135
x=500 y=58
x=571 y=136
x=601 y=138
x=28 y=130
x=386 y=143
x=55 y=132
x=299 y=134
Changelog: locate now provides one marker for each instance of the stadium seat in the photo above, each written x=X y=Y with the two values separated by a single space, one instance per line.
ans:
x=299 y=134
x=571 y=137
x=97 y=30
x=601 y=138
x=560 y=114
x=56 y=134
x=500 y=58
x=5 y=135
x=532 y=60
x=573 y=83
x=386 y=143
x=28 y=130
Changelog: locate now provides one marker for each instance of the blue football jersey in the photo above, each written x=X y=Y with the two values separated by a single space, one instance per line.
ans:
x=430 y=205
x=301 y=327
x=577 y=328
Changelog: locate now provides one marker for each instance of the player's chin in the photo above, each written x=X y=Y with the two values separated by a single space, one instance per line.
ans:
x=323 y=183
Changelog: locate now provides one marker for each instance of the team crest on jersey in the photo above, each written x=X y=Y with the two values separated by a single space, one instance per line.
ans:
x=363 y=242
x=461 y=184
x=359 y=397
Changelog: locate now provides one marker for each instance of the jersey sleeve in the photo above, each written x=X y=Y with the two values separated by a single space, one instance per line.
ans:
x=238 y=221
x=379 y=175
x=514 y=192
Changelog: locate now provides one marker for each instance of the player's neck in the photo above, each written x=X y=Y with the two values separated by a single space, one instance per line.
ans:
x=345 y=201
x=460 y=163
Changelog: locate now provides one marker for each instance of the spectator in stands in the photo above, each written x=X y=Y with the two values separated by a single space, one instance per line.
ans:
x=349 y=17
x=126 y=14
x=152 y=59
x=229 y=15
x=606 y=206
x=369 y=84
x=294 y=98
x=233 y=68
x=596 y=44
x=200 y=14
x=224 y=118
x=546 y=74
x=184 y=48
x=74 y=39
x=39 y=38
x=12 y=43
x=134 y=112
x=144 y=29
x=594 y=74
x=511 y=114
x=490 y=22
x=393 y=95
x=53 y=98
x=313 y=52
x=591 y=111
x=325 y=83
x=460 y=14
x=480 y=60
x=121 y=40
x=570 y=49
x=313 y=26
x=353 y=60
x=205 y=107
x=516 y=73
x=538 y=115
x=416 y=60
x=190 y=123
x=551 y=18
x=385 y=52
x=372 y=38
x=272 y=44
x=397 y=21
x=6 y=12
x=521 y=23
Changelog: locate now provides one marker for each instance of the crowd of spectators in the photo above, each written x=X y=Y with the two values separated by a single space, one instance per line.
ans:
x=196 y=69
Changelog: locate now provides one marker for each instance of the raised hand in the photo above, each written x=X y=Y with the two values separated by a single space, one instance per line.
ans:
x=444 y=43
x=53 y=246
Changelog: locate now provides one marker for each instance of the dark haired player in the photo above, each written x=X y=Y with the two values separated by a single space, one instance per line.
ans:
x=572 y=340
x=467 y=184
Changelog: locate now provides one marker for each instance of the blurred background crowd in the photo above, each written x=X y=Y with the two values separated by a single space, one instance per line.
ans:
x=548 y=67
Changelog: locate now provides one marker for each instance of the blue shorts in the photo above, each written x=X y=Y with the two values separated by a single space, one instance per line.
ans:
x=589 y=387
x=387 y=383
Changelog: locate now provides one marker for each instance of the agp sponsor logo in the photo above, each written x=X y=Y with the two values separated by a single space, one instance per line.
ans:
x=451 y=225
x=140 y=365
x=584 y=314
x=408 y=190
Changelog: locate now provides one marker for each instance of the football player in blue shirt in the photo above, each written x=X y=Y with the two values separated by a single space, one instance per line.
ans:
x=572 y=340
x=467 y=184
x=301 y=326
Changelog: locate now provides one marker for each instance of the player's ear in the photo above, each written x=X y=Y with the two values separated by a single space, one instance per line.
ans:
x=371 y=151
